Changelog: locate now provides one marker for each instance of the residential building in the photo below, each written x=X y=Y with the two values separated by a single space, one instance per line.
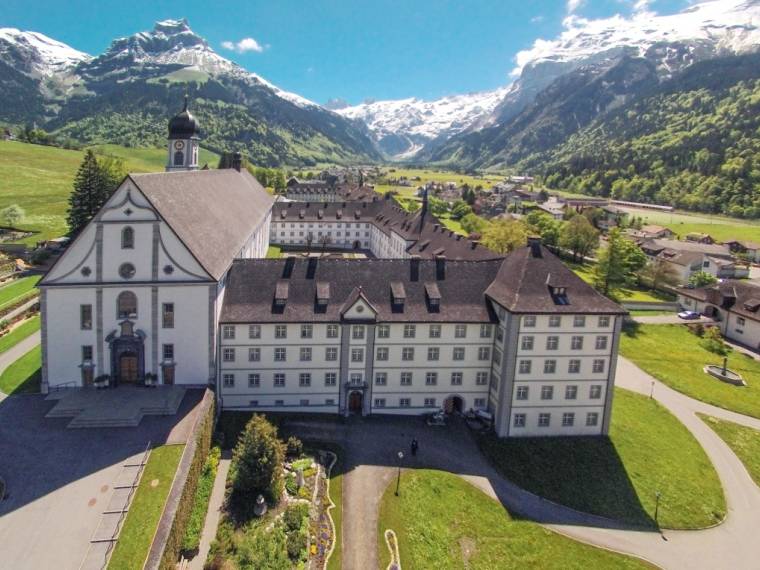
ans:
x=687 y=258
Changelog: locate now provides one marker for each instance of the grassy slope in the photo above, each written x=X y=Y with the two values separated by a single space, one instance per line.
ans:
x=439 y=516
x=19 y=333
x=648 y=450
x=743 y=441
x=39 y=179
x=17 y=290
x=23 y=376
x=673 y=355
x=147 y=505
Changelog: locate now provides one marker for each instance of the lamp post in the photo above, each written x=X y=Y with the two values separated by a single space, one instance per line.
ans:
x=651 y=391
x=398 y=477
x=656 y=507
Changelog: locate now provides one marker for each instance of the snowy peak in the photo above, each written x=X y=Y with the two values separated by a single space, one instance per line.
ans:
x=725 y=26
x=36 y=54
x=403 y=126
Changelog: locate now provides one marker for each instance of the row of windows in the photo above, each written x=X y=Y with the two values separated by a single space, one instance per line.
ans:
x=357 y=354
x=357 y=331
x=331 y=378
x=547 y=392
x=552 y=342
x=378 y=402
x=327 y=234
x=545 y=419
x=529 y=321
x=311 y=225
x=126 y=308
x=573 y=366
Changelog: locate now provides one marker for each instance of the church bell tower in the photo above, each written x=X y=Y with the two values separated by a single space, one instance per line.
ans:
x=183 y=141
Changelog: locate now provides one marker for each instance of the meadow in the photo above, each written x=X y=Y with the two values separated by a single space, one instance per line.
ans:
x=39 y=179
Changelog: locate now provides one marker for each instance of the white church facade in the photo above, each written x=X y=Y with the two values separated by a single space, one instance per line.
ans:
x=169 y=280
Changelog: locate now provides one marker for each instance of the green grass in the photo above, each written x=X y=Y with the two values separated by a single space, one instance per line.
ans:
x=18 y=334
x=274 y=252
x=39 y=179
x=336 y=494
x=442 y=521
x=721 y=228
x=147 y=505
x=454 y=225
x=18 y=290
x=743 y=441
x=648 y=450
x=24 y=375
x=197 y=518
x=673 y=355
x=585 y=272
x=649 y=313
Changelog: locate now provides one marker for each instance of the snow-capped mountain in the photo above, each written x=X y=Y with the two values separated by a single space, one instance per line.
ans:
x=36 y=54
x=126 y=94
x=402 y=127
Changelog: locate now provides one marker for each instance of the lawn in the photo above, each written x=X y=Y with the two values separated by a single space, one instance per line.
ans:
x=721 y=228
x=649 y=313
x=145 y=511
x=584 y=271
x=442 y=521
x=18 y=334
x=743 y=441
x=648 y=450
x=454 y=225
x=18 y=290
x=39 y=179
x=23 y=376
x=274 y=252
x=673 y=355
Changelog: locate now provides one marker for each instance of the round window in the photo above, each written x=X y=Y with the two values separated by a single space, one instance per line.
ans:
x=86 y=271
x=360 y=308
x=127 y=270
x=168 y=269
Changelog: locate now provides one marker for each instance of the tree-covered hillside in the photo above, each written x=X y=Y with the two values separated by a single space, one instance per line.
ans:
x=693 y=142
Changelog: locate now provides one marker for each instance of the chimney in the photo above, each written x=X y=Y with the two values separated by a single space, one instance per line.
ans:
x=237 y=161
x=534 y=243
x=440 y=267
x=414 y=268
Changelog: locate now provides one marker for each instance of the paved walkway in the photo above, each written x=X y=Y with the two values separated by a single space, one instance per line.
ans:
x=370 y=467
x=213 y=514
x=671 y=320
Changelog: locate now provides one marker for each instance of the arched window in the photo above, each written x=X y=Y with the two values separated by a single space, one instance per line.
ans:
x=126 y=305
x=127 y=238
x=178 y=159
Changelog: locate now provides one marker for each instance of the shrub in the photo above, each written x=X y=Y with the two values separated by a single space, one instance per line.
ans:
x=290 y=484
x=198 y=515
x=262 y=549
x=698 y=329
x=40 y=256
x=293 y=516
x=257 y=466
x=294 y=447
x=713 y=341
x=296 y=544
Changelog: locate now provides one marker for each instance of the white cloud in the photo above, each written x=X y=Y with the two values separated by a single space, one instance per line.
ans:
x=537 y=19
x=641 y=6
x=244 y=45
x=573 y=5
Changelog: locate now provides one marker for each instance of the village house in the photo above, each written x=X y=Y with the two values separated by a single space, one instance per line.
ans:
x=750 y=249
x=687 y=258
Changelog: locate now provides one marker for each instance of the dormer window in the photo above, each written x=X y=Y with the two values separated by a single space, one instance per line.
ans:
x=433 y=295
x=127 y=238
x=398 y=294
x=323 y=292
x=281 y=293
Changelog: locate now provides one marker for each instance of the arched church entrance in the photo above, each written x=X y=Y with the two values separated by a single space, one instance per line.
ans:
x=128 y=368
x=355 y=400
x=453 y=404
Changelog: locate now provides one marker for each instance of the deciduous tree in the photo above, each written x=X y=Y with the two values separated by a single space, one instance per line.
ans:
x=579 y=237
x=504 y=235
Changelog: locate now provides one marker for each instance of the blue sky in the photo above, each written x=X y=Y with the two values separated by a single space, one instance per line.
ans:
x=320 y=49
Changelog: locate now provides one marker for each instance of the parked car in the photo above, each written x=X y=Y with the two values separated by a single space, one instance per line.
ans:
x=688 y=315
x=436 y=419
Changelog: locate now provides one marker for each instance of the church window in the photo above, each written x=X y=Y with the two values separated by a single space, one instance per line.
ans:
x=168 y=351
x=127 y=238
x=127 y=305
x=85 y=317
x=127 y=270
x=167 y=316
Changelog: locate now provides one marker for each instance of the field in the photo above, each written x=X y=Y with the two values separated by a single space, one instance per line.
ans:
x=648 y=451
x=674 y=356
x=442 y=521
x=720 y=228
x=430 y=175
x=39 y=179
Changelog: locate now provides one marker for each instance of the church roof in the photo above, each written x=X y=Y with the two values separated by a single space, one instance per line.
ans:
x=213 y=212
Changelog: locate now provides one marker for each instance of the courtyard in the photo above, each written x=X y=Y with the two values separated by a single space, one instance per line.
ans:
x=60 y=481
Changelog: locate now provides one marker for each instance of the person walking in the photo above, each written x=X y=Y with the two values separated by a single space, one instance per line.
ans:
x=415 y=445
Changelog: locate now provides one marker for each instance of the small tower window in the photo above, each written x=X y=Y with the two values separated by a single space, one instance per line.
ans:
x=178 y=158
x=127 y=238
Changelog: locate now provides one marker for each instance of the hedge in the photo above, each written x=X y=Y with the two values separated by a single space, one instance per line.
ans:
x=200 y=506
x=202 y=444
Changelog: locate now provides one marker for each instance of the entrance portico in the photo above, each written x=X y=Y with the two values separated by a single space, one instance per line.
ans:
x=127 y=354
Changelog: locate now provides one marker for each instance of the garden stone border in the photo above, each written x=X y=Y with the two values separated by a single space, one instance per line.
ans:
x=395 y=563
x=328 y=472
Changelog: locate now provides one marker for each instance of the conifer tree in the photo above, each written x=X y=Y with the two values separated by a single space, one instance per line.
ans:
x=91 y=190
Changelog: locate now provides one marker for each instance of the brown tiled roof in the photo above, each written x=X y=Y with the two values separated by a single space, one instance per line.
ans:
x=526 y=280
x=522 y=282
x=252 y=283
x=740 y=297
x=212 y=212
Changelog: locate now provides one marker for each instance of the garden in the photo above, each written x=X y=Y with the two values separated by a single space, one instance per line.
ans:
x=277 y=511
